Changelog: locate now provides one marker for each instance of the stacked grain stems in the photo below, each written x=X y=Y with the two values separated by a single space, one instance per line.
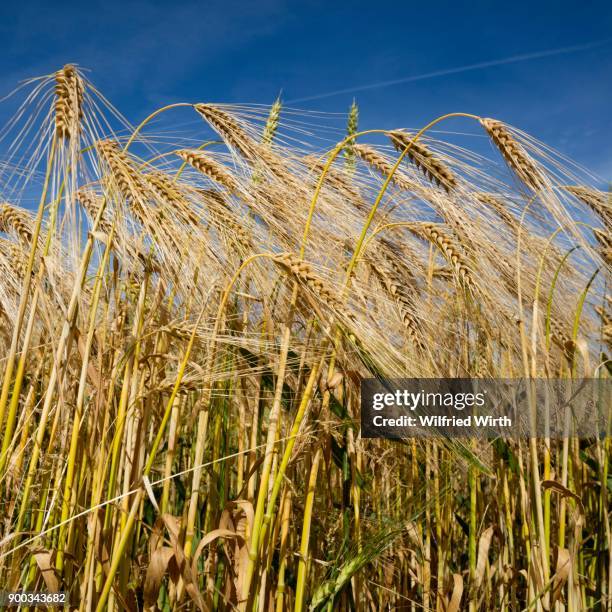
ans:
x=185 y=320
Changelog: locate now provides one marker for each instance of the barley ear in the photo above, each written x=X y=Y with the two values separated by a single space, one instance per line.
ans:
x=68 y=102
x=392 y=286
x=229 y=129
x=597 y=201
x=208 y=166
x=605 y=242
x=437 y=235
x=420 y=155
x=271 y=126
x=514 y=154
x=303 y=272
x=16 y=221
x=497 y=204
x=377 y=162
x=351 y=129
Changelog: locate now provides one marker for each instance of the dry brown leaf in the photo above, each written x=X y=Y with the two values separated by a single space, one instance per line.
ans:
x=156 y=571
x=536 y=576
x=483 y=554
x=206 y=540
x=44 y=560
x=563 y=566
x=564 y=491
x=455 y=600
x=172 y=524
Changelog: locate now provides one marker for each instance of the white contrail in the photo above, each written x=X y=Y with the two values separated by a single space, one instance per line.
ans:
x=478 y=66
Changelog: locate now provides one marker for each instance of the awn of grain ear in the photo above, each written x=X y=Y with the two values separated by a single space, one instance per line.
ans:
x=393 y=287
x=304 y=273
x=208 y=166
x=605 y=241
x=599 y=202
x=514 y=154
x=68 y=102
x=421 y=156
x=374 y=159
x=16 y=221
x=497 y=204
x=436 y=234
x=334 y=177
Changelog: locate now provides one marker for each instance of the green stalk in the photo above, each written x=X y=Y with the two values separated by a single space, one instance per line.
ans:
x=472 y=538
x=303 y=562
x=23 y=303
x=72 y=454
x=284 y=537
x=129 y=523
x=65 y=336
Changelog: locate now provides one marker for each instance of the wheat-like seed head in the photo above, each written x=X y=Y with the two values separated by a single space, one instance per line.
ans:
x=271 y=126
x=605 y=241
x=437 y=235
x=497 y=204
x=16 y=221
x=374 y=159
x=603 y=238
x=442 y=272
x=127 y=178
x=236 y=137
x=92 y=202
x=392 y=286
x=402 y=265
x=599 y=202
x=561 y=339
x=69 y=90
x=304 y=273
x=15 y=257
x=482 y=356
x=210 y=167
x=225 y=220
x=213 y=199
x=434 y=169
x=229 y=129
x=606 y=324
x=164 y=186
x=351 y=129
x=334 y=177
x=170 y=193
x=514 y=154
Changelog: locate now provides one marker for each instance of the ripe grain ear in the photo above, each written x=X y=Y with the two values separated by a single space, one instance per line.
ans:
x=207 y=165
x=437 y=234
x=392 y=286
x=376 y=161
x=597 y=201
x=16 y=221
x=69 y=90
x=418 y=153
x=514 y=154
x=304 y=273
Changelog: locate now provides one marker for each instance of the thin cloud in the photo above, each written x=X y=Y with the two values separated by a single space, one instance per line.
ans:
x=459 y=69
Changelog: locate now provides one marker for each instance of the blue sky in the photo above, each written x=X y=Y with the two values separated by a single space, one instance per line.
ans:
x=145 y=54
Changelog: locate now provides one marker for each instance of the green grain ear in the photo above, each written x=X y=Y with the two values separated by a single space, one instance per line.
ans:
x=271 y=126
x=351 y=129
